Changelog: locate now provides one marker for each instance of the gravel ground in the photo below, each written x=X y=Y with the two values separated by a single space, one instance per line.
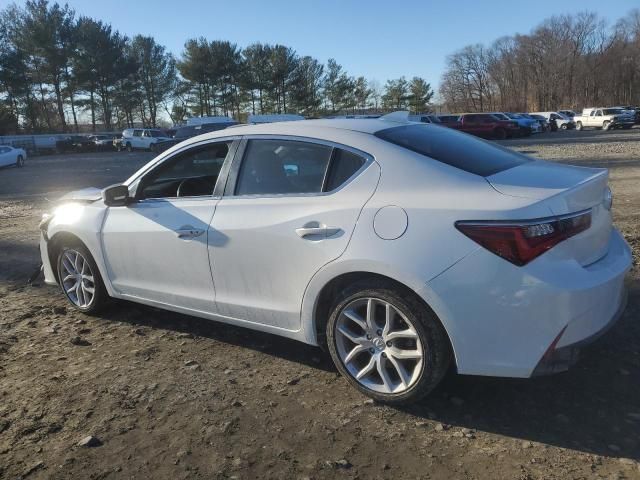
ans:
x=142 y=393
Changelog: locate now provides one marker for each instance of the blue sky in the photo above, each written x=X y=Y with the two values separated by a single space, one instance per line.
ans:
x=379 y=39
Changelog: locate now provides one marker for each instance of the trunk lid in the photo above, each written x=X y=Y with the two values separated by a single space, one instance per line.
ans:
x=564 y=189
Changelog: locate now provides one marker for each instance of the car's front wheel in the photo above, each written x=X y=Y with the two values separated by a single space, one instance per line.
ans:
x=80 y=279
x=387 y=343
x=20 y=161
x=129 y=147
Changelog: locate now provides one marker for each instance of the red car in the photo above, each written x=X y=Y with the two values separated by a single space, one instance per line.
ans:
x=485 y=125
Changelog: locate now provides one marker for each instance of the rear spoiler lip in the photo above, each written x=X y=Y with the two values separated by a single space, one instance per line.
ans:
x=598 y=173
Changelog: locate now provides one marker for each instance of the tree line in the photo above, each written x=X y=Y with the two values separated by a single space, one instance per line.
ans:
x=59 y=70
x=568 y=61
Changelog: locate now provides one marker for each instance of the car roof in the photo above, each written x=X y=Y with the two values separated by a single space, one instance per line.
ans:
x=302 y=127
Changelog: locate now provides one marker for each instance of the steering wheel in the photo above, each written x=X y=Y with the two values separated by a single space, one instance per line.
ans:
x=188 y=185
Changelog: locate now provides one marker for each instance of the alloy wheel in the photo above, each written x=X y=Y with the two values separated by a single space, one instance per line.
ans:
x=379 y=346
x=77 y=278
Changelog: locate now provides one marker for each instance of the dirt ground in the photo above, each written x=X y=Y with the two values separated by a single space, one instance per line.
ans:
x=170 y=396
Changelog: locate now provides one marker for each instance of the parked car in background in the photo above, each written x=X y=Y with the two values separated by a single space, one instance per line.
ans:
x=561 y=121
x=188 y=131
x=633 y=111
x=604 y=118
x=568 y=113
x=64 y=144
x=12 y=156
x=82 y=143
x=449 y=119
x=272 y=118
x=142 y=138
x=404 y=248
x=102 y=142
x=487 y=125
x=544 y=123
x=527 y=125
x=425 y=118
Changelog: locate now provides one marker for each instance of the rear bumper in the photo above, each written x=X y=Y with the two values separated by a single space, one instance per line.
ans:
x=561 y=359
x=503 y=319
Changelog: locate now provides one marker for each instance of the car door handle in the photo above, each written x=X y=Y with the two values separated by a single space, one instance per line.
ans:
x=188 y=232
x=316 y=231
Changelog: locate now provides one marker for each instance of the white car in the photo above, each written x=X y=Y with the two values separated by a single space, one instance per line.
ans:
x=142 y=138
x=562 y=121
x=12 y=156
x=400 y=246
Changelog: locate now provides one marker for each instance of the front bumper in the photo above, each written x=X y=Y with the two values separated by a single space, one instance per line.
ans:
x=502 y=319
x=49 y=277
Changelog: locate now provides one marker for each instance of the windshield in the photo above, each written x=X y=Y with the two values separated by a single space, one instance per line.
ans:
x=501 y=116
x=457 y=149
x=512 y=115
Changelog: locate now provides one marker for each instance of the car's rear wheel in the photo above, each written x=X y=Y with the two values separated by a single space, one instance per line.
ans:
x=129 y=147
x=606 y=125
x=500 y=134
x=564 y=126
x=386 y=343
x=20 y=161
x=578 y=125
x=80 y=279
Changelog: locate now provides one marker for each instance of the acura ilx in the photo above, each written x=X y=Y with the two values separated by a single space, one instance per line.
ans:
x=403 y=248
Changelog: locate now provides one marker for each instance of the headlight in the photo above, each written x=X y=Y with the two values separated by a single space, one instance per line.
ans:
x=68 y=213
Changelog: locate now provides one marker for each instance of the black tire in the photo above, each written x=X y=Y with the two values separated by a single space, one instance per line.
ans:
x=564 y=126
x=500 y=134
x=20 y=161
x=579 y=126
x=435 y=343
x=129 y=147
x=100 y=297
x=606 y=126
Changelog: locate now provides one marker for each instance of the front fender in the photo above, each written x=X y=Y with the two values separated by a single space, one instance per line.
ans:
x=83 y=221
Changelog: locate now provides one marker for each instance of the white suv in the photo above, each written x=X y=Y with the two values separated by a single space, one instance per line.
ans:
x=142 y=138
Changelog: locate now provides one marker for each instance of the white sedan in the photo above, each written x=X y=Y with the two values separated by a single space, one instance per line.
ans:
x=12 y=156
x=401 y=247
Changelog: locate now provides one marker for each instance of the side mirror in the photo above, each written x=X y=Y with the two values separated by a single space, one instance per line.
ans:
x=116 y=196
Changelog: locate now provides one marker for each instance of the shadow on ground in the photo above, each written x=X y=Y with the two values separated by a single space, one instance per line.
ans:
x=593 y=408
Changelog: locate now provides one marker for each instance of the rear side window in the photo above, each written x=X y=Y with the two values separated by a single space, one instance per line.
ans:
x=343 y=166
x=290 y=167
x=454 y=148
x=283 y=166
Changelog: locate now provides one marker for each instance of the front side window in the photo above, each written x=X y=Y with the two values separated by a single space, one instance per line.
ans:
x=282 y=166
x=191 y=173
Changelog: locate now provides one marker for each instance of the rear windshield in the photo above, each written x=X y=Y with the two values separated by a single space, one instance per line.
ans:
x=457 y=149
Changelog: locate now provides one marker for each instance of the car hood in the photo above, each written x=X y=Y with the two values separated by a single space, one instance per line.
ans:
x=85 y=195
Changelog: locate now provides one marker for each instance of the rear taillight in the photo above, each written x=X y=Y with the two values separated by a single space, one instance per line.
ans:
x=521 y=242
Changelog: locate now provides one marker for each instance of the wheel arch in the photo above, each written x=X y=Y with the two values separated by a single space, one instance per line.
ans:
x=315 y=325
x=54 y=245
